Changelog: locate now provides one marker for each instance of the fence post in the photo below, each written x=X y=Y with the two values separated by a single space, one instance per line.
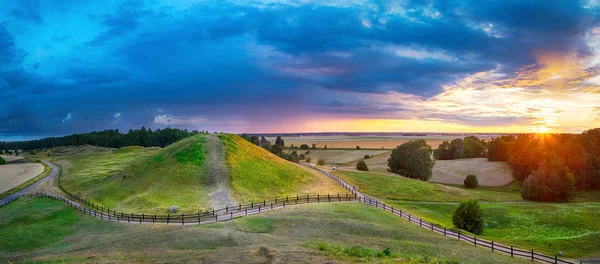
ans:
x=420 y=222
x=154 y=219
x=259 y=208
x=475 y=240
x=532 y=255
x=492 y=246
x=143 y=218
x=264 y=202
x=246 y=209
x=271 y=206
x=198 y=217
x=444 y=231
x=168 y=218
x=431 y=224
x=555 y=259
x=182 y=220
x=307 y=201
x=318 y=198
x=511 y=251
x=458 y=234
x=409 y=218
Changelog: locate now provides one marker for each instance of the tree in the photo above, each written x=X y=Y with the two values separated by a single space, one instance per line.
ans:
x=304 y=146
x=16 y=152
x=468 y=216
x=551 y=182
x=325 y=146
x=412 y=159
x=443 y=152
x=362 y=166
x=358 y=147
x=471 y=181
x=320 y=162
x=308 y=159
x=367 y=156
x=314 y=146
x=279 y=142
x=498 y=150
x=2 y=161
x=473 y=148
x=276 y=149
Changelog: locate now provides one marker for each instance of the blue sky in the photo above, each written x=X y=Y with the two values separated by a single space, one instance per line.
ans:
x=296 y=66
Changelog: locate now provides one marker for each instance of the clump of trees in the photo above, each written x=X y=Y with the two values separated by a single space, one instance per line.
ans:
x=320 y=162
x=412 y=159
x=304 y=146
x=362 y=166
x=111 y=138
x=469 y=216
x=470 y=147
x=551 y=182
x=471 y=181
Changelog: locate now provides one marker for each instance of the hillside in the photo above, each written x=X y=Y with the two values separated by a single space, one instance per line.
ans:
x=256 y=174
x=195 y=174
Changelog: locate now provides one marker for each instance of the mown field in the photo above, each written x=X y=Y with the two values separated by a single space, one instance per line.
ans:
x=571 y=228
x=50 y=231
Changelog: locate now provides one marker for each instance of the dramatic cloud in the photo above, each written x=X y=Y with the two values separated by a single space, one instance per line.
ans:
x=278 y=65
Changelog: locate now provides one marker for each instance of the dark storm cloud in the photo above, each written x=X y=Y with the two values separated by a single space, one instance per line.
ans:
x=215 y=59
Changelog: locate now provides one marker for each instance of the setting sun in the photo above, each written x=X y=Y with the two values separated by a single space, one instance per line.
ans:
x=542 y=129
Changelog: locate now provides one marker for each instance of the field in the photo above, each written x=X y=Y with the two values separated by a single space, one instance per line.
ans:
x=339 y=156
x=15 y=173
x=571 y=228
x=50 y=231
x=366 y=141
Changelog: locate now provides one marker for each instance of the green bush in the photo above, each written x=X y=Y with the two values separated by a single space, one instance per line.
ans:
x=303 y=146
x=308 y=159
x=2 y=161
x=551 y=182
x=367 y=156
x=320 y=162
x=357 y=147
x=362 y=166
x=468 y=216
x=471 y=181
x=412 y=159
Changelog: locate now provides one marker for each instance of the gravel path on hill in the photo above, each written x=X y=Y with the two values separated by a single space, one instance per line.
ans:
x=218 y=174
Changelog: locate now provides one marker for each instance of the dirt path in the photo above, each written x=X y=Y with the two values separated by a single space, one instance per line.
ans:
x=218 y=174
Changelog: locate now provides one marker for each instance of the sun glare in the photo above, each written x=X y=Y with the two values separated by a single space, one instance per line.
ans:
x=542 y=129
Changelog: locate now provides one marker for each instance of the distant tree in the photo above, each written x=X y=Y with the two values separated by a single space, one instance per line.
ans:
x=292 y=146
x=473 y=148
x=468 y=216
x=367 y=157
x=498 y=150
x=551 y=182
x=301 y=157
x=314 y=146
x=443 y=152
x=304 y=146
x=320 y=162
x=362 y=166
x=457 y=148
x=264 y=143
x=325 y=146
x=308 y=159
x=255 y=140
x=358 y=147
x=412 y=159
x=279 y=142
x=2 y=161
x=471 y=181
x=16 y=152
x=276 y=149
x=1 y=151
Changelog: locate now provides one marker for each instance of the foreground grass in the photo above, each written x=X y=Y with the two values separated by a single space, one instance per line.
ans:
x=145 y=180
x=256 y=174
x=46 y=172
x=401 y=188
x=573 y=228
x=315 y=233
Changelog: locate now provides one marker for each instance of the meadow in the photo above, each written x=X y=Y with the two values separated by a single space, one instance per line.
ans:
x=50 y=231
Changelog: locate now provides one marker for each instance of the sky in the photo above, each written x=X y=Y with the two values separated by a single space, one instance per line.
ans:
x=69 y=66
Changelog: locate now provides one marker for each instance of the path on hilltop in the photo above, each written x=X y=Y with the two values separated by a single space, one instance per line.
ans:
x=218 y=174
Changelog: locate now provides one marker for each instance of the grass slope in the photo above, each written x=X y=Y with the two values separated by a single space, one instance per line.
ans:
x=316 y=233
x=256 y=174
x=135 y=179
x=401 y=188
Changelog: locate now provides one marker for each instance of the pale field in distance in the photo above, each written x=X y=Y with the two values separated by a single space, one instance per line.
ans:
x=338 y=156
x=15 y=174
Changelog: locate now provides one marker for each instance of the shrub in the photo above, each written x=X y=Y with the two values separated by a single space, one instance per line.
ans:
x=2 y=161
x=314 y=146
x=301 y=157
x=303 y=146
x=308 y=159
x=468 y=216
x=362 y=166
x=357 y=147
x=551 y=182
x=471 y=181
x=325 y=146
x=367 y=157
x=320 y=162
x=412 y=159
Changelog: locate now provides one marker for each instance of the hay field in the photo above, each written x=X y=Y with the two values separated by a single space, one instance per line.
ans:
x=15 y=174
x=367 y=141
x=339 y=156
x=454 y=171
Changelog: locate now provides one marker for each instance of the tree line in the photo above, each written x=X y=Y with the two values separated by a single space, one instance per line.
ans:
x=469 y=147
x=111 y=138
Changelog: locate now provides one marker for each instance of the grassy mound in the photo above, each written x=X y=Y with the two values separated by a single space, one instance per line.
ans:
x=315 y=233
x=256 y=174
x=146 y=180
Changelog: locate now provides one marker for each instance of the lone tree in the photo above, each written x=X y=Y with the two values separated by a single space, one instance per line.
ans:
x=279 y=142
x=2 y=161
x=471 y=181
x=412 y=159
x=362 y=166
x=468 y=216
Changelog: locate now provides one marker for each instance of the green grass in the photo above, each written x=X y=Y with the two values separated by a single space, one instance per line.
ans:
x=405 y=189
x=46 y=172
x=572 y=228
x=256 y=174
x=348 y=232
x=135 y=179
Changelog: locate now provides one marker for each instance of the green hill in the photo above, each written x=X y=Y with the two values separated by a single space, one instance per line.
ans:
x=195 y=174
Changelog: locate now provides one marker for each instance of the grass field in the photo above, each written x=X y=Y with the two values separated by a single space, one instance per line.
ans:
x=256 y=174
x=572 y=228
x=49 y=231
x=401 y=188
